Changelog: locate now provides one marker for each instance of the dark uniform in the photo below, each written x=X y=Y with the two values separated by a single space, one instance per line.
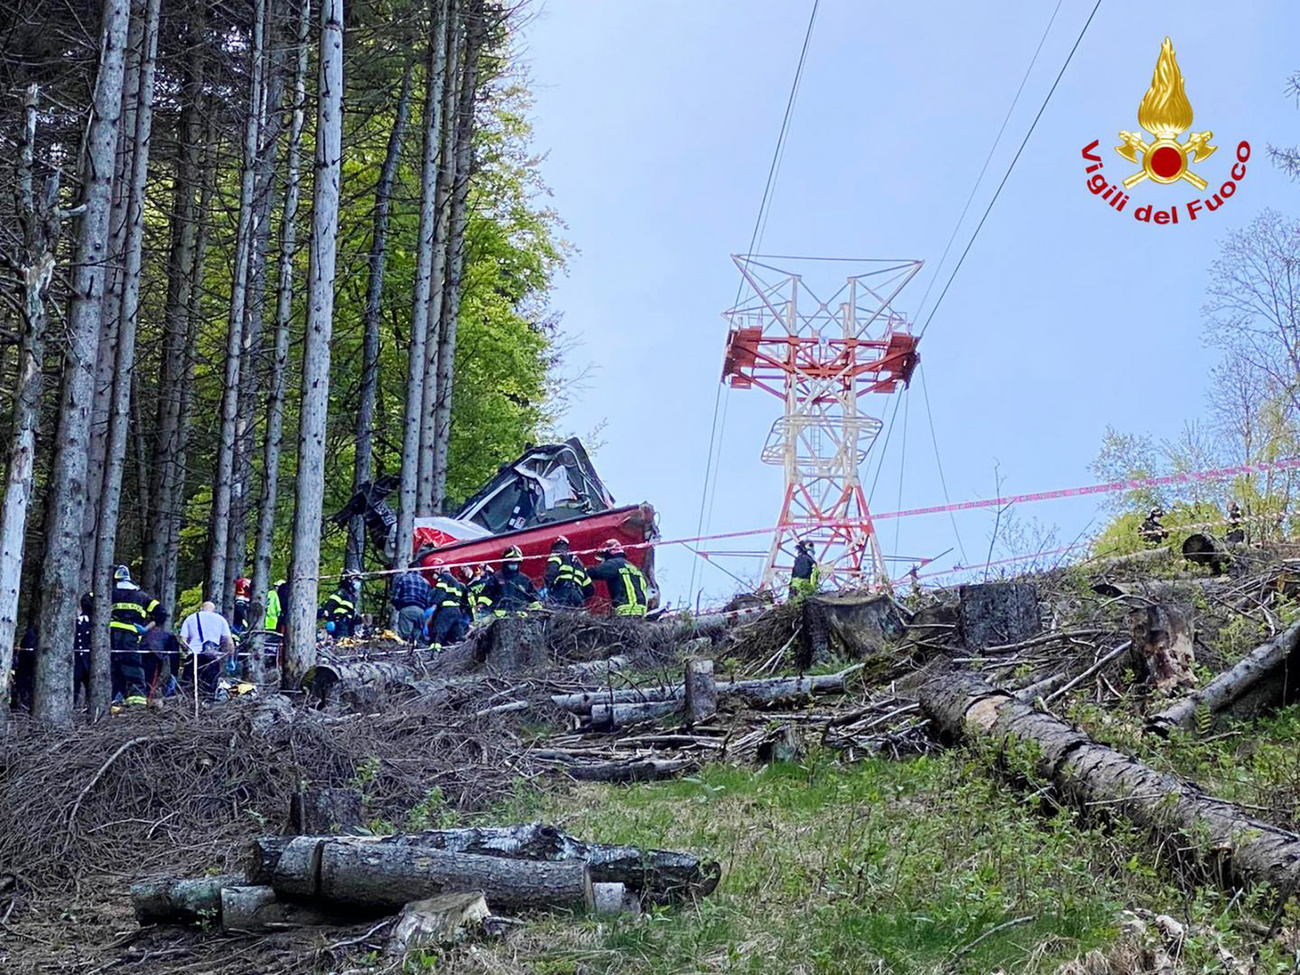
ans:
x=805 y=575
x=133 y=612
x=480 y=602
x=341 y=610
x=629 y=590
x=1236 y=533
x=567 y=582
x=510 y=591
x=1151 y=530
x=449 y=602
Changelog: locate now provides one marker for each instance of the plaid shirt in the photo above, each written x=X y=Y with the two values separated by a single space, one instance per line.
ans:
x=411 y=589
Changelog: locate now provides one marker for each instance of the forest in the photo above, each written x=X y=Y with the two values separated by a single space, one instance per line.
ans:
x=253 y=255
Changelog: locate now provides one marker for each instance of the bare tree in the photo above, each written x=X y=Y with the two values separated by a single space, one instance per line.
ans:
x=448 y=319
x=300 y=629
x=283 y=316
x=436 y=82
x=38 y=224
x=245 y=231
x=363 y=468
x=60 y=573
x=120 y=403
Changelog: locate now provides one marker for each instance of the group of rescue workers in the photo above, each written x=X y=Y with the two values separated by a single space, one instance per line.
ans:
x=441 y=613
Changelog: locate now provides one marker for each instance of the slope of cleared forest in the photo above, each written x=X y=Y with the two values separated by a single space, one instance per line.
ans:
x=853 y=830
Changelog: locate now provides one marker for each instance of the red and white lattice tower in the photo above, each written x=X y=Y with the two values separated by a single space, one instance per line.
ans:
x=821 y=357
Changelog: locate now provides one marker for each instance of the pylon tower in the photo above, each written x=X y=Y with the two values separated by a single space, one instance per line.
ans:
x=822 y=357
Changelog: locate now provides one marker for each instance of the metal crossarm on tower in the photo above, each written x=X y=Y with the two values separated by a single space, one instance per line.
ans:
x=821 y=356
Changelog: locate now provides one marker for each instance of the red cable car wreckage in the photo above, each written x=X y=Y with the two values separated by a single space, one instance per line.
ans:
x=549 y=491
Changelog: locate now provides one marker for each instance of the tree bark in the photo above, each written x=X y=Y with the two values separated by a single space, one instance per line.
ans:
x=384 y=877
x=313 y=812
x=165 y=488
x=363 y=467
x=437 y=920
x=300 y=641
x=38 y=221
x=61 y=575
x=449 y=306
x=283 y=317
x=1234 y=848
x=1265 y=678
x=255 y=910
x=455 y=43
x=119 y=417
x=409 y=495
x=701 y=690
x=218 y=536
x=1163 y=651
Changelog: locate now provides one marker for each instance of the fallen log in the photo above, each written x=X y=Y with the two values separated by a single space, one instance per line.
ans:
x=385 y=876
x=767 y=690
x=175 y=900
x=622 y=715
x=256 y=910
x=637 y=770
x=1234 y=848
x=657 y=874
x=1265 y=678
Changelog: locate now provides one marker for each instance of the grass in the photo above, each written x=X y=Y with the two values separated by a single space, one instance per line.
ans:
x=874 y=867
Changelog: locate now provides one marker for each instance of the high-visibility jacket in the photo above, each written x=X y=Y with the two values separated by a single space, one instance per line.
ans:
x=273 y=610
x=804 y=576
x=132 y=607
x=480 y=600
x=567 y=582
x=629 y=590
x=448 y=593
x=510 y=591
x=341 y=611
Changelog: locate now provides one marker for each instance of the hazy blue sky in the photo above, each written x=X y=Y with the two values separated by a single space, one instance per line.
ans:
x=659 y=120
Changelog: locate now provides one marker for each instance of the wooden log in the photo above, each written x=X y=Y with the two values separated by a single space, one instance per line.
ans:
x=256 y=910
x=701 y=691
x=615 y=899
x=622 y=715
x=361 y=679
x=1265 y=678
x=1201 y=548
x=850 y=625
x=769 y=690
x=385 y=876
x=441 y=920
x=1162 y=647
x=637 y=770
x=581 y=702
x=1235 y=848
x=321 y=811
x=997 y=613
x=174 y=900
x=596 y=668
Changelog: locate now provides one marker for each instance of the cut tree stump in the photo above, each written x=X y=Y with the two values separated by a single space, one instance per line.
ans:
x=175 y=900
x=994 y=614
x=701 y=691
x=313 y=812
x=385 y=876
x=1163 y=649
x=615 y=899
x=1234 y=848
x=256 y=910
x=441 y=920
x=1264 y=679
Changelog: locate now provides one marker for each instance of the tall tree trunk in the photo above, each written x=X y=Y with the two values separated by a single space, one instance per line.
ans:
x=120 y=406
x=300 y=639
x=476 y=31
x=60 y=576
x=409 y=489
x=252 y=371
x=106 y=360
x=38 y=224
x=446 y=178
x=164 y=488
x=245 y=231
x=283 y=316
x=362 y=463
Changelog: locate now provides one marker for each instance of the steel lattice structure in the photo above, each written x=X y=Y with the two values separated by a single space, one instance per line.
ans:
x=821 y=357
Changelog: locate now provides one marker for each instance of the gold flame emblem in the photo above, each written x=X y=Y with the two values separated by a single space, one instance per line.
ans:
x=1166 y=113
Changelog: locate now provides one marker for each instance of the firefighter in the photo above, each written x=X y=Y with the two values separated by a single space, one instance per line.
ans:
x=340 y=610
x=629 y=590
x=567 y=583
x=480 y=601
x=806 y=574
x=1151 y=531
x=133 y=616
x=1236 y=533
x=448 y=601
x=509 y=590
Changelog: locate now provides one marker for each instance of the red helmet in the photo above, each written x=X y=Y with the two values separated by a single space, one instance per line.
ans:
x=612 y=546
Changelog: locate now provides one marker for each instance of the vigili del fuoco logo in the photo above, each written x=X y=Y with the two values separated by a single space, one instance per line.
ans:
x=1166 y=113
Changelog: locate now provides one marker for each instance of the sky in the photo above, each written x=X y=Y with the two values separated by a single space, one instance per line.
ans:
x=658 y=122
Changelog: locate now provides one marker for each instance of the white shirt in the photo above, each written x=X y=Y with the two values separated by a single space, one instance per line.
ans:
x=204 y=627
